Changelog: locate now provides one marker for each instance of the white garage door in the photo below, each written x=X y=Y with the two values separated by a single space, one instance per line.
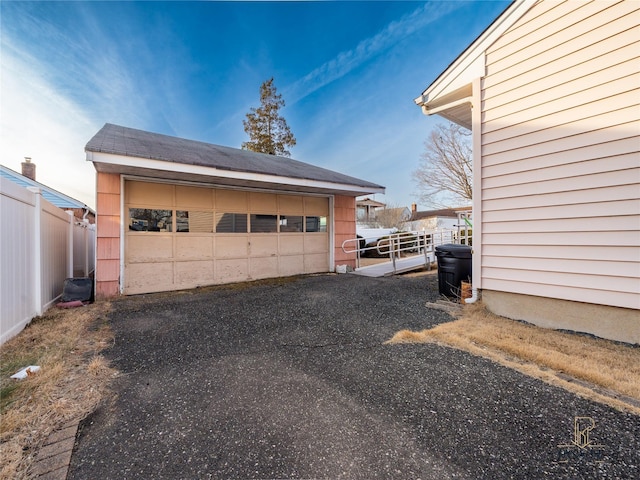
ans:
x=181 y=236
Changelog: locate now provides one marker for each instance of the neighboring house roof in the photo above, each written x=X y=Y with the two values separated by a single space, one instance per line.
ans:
x=443 y=212
x=114 y=148
x=449 y=95
x=369 y=202
x=54 y=197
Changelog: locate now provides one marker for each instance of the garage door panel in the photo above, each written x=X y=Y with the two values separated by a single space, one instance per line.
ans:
x=149 y=247
x=199 y=197
x=194 y=273
x=316 y=206
x=290 y=205
x=232 y=246
x=316 y=263
x=291 y=244
x=204 y=250
x=263 y=245
x=233 y=270
x=316 y=243
x=149 y=277
x=291 y=265
x=194 y=247
x=263 y=267
x=231 y=201
x=150 y=194
x=263 y=202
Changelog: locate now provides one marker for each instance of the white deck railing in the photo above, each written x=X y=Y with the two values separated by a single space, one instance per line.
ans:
x=400 y=244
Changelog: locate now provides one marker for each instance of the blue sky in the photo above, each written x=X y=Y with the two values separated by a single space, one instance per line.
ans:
x=348 y=72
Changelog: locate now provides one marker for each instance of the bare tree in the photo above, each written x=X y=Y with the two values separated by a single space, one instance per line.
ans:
x=267 y=129
x=392 y=216
x=444 y=175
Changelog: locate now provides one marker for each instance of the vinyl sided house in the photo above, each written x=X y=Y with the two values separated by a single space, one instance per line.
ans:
x=551 y=92
x=177 y=214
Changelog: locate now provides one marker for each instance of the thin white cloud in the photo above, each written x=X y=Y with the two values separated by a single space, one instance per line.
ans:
x=38 y=122
x=56 y=91
x=91 y=67
x=368 y=49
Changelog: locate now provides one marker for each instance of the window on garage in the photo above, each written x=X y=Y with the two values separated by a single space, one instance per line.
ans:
x=316 y=224
x=150 y=220
x=291 y=223
x=264 y=223
x=231 y=223
x=194 y=221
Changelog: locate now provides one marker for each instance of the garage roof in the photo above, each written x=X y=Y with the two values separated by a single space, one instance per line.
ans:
x=117 y=149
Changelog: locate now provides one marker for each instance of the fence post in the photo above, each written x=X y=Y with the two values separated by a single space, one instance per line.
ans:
x=37 y=253
x=85 y=236
x=70 y=244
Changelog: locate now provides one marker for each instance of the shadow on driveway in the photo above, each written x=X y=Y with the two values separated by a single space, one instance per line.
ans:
x=291 y=380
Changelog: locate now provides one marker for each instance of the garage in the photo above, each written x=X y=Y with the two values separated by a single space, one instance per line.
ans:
x=183 y=236
x=174 y=214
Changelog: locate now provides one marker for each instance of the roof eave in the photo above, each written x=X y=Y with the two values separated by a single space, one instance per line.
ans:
x=146 y=167
x=440 y=96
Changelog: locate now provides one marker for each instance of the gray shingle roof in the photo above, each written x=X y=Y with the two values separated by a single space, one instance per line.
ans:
x=118 y=140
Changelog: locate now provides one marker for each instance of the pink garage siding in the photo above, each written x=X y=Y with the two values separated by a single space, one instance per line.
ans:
x=345 y=228
x=108 y=235
x=560 y=149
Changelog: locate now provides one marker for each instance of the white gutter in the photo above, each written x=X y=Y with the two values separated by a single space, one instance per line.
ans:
x=435 y=110
x=121 y=278
x=476 y=138
x=474 y=296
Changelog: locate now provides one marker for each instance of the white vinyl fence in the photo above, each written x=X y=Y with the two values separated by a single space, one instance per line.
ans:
x=40 y=246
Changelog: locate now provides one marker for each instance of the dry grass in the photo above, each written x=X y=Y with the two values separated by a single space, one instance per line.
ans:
x=72 y=379
x=598 y=369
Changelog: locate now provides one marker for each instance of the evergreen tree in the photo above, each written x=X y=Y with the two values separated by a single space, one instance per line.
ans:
x=267 y=129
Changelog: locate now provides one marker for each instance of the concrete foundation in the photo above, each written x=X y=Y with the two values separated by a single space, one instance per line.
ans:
x=613 y=323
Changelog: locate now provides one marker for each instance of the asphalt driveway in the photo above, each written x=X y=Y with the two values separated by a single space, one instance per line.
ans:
x=291 y=380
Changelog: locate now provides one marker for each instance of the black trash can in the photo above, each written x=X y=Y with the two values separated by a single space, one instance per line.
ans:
x=78 y=288
x=454 y=267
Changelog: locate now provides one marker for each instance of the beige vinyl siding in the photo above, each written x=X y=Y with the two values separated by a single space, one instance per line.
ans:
x=561 y=154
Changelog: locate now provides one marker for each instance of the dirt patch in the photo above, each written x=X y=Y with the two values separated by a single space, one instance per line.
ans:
x=601 y=370
x=72 y=379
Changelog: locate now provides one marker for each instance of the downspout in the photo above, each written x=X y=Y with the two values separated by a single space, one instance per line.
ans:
x=476 y=135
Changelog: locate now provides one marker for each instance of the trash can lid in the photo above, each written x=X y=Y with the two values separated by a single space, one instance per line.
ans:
x=453 y=250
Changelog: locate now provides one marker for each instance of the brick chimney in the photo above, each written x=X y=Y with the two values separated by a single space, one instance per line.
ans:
x=29 y=169
x=414 y=208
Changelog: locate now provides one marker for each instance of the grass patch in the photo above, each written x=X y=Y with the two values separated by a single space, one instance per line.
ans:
x=72 y=379
x=601 y=370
